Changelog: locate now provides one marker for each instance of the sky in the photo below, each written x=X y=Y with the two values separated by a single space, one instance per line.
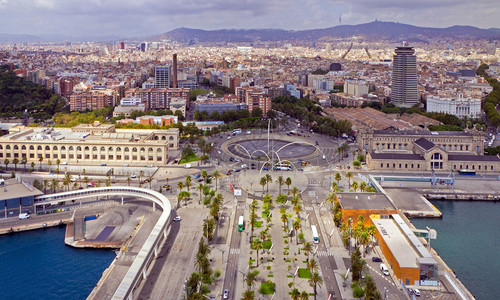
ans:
x=134 y=18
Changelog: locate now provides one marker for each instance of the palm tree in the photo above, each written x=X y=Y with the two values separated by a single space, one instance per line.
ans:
x=128 y=180
x=67 y=180
x=40 y=159
x=86 y=180
x=280 y=182
x=24 y=161
x=284 y=218
x=288 y=182
x=308 y=248
x=216 y=174
x=263 y=182
x=15 y=161
x=295 y=294
x=45 y=185
x=58 y=162
x=6 y=162
x=204 y=174
x=49 y=162
x=295 y=191
x=297 y=209
x=312 y=265
x=200 y=188
x=268 y=179
x=304 y=295
x=338 y=177
x=251 y=277
x=54 y=185
x=314 y=281
x=188 y=182
x=355 y=185
x=362 y=186
x=296 y=227
x=248 y=295
x=257 y=245
x=349 y=176
x=180 y=186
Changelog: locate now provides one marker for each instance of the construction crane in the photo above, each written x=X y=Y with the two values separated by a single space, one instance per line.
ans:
x=367 y=52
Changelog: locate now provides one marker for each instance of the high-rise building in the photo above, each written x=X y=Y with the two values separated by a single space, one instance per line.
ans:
x=162 y=77
x=404 y=77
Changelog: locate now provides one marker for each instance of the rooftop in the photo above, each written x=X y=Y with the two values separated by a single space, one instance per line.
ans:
x=369 y=201
x=12 y=188
x=471 y=157
x=399 y=246
x=423 y=132
x=425 y=143
x=396 y=156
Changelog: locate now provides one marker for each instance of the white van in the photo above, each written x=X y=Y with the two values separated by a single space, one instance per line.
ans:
x=24 y=216
x=384 y=269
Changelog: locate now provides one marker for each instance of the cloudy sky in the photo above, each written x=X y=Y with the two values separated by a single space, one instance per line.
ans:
x=130 y=18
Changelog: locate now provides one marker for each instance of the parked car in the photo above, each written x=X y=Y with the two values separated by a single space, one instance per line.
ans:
x=384 y=269
x=226 y=294
x=177 y=219
x=376 y=259
x=416 y=292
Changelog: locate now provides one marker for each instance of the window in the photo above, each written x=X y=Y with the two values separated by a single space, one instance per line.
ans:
x=87 y=148
x=110 y=157
x=78 y=148
x=171 y=138
x=63 y=156
x=110 y=149
x=455 y=147
x=406 y=145
x=377 y=146
x=87 y=156
x=47 y=148
x=171 y=145
x=70 y=148
x=94 y=156
x=127 y=157
x=418 y=166
x=383 y=146
x=394 y=166
x=94 y=148
x=142 y=149
x=47 y=155
x=54 y=148
x=388 y=165
x=31 y=147
x=399 y=146
x=118 y=149
x=134 y=149
x=103 y=157
x=158 y=150
x=479 y=167
x=461 y=147
x=150 y=149
x=163 y=138
x=381 y=165
x=39 y=148
x=388 y=146
x=126 y=149
x=16 y=147
x=412 y=166
x=71 y=156
x=406 y=166
x=23 y=147
x=400 y=166
x=103 y=149
x=436 y=161
x=63 y=148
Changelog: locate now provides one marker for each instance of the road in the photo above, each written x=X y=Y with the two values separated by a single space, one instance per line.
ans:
x=234 y=256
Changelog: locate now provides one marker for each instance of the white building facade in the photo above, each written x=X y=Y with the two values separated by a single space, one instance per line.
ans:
x=460 y=106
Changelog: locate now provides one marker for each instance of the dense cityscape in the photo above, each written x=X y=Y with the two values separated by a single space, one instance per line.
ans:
x=277 y=168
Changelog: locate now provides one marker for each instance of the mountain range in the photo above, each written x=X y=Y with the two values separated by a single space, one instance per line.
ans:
x=373 y=30
x=376 y=30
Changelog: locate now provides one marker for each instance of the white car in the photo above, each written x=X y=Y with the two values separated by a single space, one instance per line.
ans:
x=177 y=219
x=226 y=294
x=416 y=292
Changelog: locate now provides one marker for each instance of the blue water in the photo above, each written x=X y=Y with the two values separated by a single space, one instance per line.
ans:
x=38 y=265
x=468 y=240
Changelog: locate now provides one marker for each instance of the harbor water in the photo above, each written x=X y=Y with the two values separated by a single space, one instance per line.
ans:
x=468 y=240
x=38 y=265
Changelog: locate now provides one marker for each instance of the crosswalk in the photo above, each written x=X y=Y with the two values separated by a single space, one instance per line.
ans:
x=234 y=251
x=309 y=208
x=324 y=253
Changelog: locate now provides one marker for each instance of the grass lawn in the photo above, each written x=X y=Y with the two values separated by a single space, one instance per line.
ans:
x=304 y=273
x=266 y=288
x=189 y=159
x=267 y=245
x=270 y=275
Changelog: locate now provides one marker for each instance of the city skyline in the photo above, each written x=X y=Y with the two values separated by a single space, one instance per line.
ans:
x=150 y=17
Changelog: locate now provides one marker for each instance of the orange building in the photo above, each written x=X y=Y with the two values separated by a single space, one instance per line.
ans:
x=406 y=256
x=366 y=204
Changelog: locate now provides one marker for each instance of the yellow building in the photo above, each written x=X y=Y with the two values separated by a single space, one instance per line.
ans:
x=90 y=144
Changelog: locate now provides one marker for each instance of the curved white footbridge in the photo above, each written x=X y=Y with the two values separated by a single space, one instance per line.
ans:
x=137 y=270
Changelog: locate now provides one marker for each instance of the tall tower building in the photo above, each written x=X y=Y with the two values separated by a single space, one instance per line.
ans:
x=174 y=75
x=404 y=77
x=162 y=77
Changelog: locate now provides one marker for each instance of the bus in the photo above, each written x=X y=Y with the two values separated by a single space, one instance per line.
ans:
x=241 y=224
x=467 y=172
x=315 y=234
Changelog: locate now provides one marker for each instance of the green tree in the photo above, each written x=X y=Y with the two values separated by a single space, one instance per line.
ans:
x=40 y=159
x=216 y=174
x=257 y=245
x=356 y=164
x=288 y=182
x=6 y=162
x=58 y=162
x=24 y=161
x=268 y=179
x=295 y=294
x=15 y=161
x=263 y=182
x=188 y=182
x=362 y=186
x=251 y=277
x=280 y=182
x=315 y=281
x=338 y=177
x=308 y=248
x=349 y=176
x=248 y=295
x=355 y=185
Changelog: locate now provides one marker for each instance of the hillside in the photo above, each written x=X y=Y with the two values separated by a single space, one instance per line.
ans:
x=17 y=94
